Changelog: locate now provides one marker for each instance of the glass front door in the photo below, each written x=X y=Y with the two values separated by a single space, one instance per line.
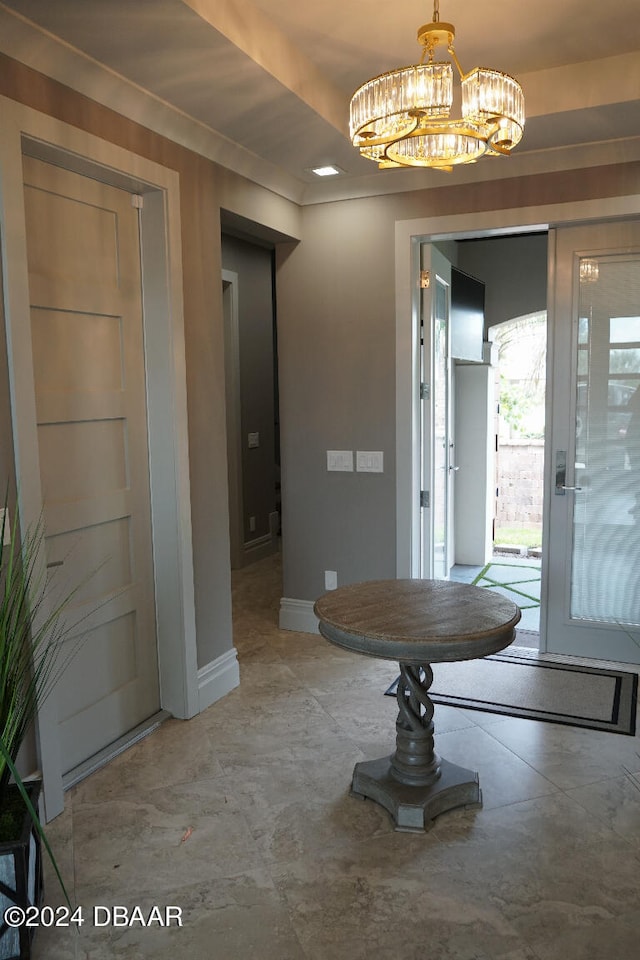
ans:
x=594 y=534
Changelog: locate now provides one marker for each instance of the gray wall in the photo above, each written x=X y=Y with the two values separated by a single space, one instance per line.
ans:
x=514 y=270
x=336 y=345
x=336 y=322
x=253 y=264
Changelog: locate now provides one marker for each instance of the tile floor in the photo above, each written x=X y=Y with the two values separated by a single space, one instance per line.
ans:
x=282 y=864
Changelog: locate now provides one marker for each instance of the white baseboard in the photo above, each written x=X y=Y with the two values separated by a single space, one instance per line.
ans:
x=298 y=615
x=218 y=678
x=259 y=548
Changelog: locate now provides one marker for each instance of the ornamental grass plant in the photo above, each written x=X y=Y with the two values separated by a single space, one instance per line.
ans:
x=32 y=657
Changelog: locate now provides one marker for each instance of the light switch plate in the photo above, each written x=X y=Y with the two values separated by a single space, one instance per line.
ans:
x=254 y=440
x=369 y=461
x=341 y=460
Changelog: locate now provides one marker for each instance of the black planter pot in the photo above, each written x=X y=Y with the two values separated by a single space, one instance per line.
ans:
x=21 y=882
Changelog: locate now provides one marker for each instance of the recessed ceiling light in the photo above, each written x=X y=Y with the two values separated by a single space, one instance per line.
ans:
x=330 y=170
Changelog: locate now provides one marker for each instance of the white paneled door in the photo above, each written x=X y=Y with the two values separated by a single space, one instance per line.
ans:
x=89 y=374
x=593 y=535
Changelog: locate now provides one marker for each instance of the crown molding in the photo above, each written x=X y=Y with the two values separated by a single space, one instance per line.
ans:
x=36 y=48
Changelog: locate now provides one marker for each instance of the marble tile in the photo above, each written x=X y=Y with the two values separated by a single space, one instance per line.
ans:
x=307 y=828
x=363 y=905
x=616 y=802
x=554 y=821
x=61 y=839
x=604 y=939
x=522 y=953
x=504 y=777
x=322 y=673
x=265 y=681
x=362 y=711
x=547 y=865
x=317 y=772
x=294 y=648
x=243 y=916
x=56 y=943
x=568 y=756
x=481 y=718
x=136 y=844
x=283 y=864
x=272 y=726
x=178 y=751
x=448 y=719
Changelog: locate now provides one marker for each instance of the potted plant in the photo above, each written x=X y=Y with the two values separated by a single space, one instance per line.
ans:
x=32 y=629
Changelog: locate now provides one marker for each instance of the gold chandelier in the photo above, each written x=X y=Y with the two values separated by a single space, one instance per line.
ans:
x=401 y=118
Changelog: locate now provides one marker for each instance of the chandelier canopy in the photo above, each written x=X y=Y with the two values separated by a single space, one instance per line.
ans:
x=402 y=118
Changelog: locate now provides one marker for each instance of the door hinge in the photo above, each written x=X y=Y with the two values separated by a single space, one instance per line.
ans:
x=425 y=499
x=424 y=391
x=137 y=201
x=425 y=279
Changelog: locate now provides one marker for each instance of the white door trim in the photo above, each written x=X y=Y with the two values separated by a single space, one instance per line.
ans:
x=409 y=234
x=234 y=423
x=436 y=263
x=26 y=130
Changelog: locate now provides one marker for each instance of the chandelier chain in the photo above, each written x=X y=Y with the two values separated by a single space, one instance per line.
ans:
x=436 y=11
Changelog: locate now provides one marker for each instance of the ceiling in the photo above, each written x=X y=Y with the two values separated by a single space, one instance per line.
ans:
x=263 y=86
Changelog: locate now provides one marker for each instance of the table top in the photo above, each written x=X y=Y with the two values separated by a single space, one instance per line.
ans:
x=417 y=621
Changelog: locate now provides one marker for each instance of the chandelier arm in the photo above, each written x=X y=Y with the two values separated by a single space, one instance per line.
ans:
x=403 y=136
x=374 y=141
x=435 y=129
x=497 y=148
x=454 y=57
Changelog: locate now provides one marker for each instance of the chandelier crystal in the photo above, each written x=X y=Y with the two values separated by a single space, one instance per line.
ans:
x=589 y=270
x=402 y=118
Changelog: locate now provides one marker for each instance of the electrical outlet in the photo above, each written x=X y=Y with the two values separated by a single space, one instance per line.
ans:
x=330 y=579
x=252 y=524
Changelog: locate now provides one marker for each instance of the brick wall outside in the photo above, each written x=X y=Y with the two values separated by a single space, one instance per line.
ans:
x=520 y=480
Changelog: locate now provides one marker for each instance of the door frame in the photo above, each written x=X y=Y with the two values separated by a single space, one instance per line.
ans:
x=409 y=235
x=28 y=131
x=234 y=423
x=439 y=269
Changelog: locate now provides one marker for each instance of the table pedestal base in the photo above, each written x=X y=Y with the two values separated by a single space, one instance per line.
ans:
x=413 y=808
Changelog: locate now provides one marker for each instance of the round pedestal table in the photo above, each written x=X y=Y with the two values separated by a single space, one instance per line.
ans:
x=417 y=623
